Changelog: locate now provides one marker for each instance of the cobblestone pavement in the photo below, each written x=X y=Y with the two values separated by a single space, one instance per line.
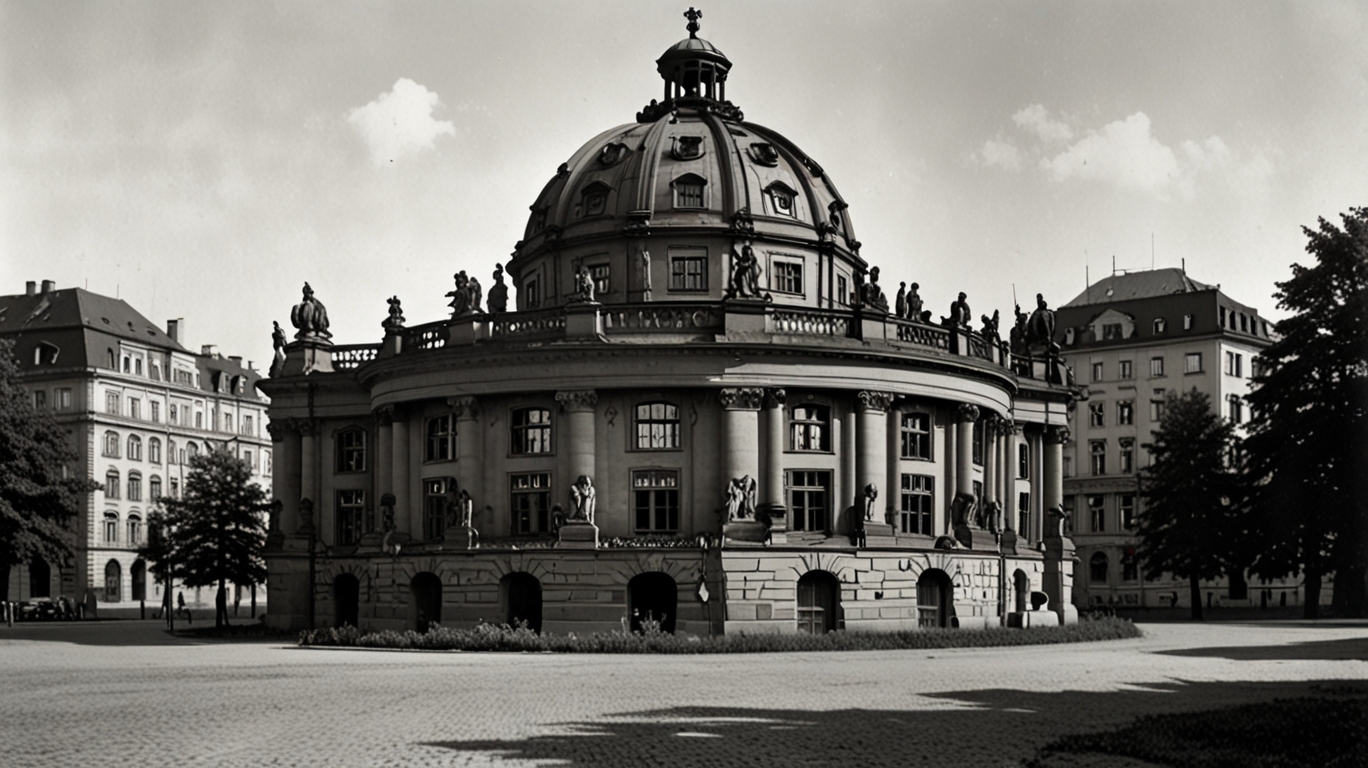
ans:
x=124 y=694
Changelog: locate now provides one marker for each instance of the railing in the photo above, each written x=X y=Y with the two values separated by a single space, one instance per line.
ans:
x=349 y=357
x=650 y=318
x=922 y=335
x=812 y=322
x=515 y=325
x=430 y=336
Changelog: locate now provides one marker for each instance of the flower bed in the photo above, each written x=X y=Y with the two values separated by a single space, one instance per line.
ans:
x=501 y=637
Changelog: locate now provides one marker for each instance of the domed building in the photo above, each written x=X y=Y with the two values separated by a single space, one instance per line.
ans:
x=700 y=410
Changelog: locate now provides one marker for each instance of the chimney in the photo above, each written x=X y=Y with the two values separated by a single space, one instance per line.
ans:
x=174 y=329
x=49 y=286
x=251 y=365
x=209 y=350
x=236 y=359
x=30 y=288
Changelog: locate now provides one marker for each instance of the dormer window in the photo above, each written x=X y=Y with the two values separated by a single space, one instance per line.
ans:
x=538 y=220
x=782 y=200
x=1159 y=325
x=594 y=200
x=45 y=354
x=688 y=191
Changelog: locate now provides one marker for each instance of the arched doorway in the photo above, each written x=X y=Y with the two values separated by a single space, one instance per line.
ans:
x=40 y=578
x=819 y=603
x=1021 y=587
x=521 y=600
x=426 y=590
x=138 y=575
x=113 y=585
x=654 y=596
x=347 y=600
x=934 y=593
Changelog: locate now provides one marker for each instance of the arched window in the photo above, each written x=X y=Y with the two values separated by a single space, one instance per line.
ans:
x=191 y=450
x=134 y=530
x=111 y=489
x=154 y=488
x=154 y=450
x=111 y=444
x=134 y=486
x=657 y=426
x=135 y=448
x=109 y=359
x=819 y=603
x=426 y=591
x=935 y=597
x=810 y=427
x=520 y=597
x=171 y=451
x=113 y=587
x=111 y=527
x=138 y=575
x=1097 y=568
x=689 y=191
x=652 y=597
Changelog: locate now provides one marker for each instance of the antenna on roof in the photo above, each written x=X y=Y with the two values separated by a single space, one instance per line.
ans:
x=1151 y=251
x=1184 y=266
x=1113 y=265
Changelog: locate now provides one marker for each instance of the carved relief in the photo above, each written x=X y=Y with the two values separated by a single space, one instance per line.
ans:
x=612 y=154
x=874 y=401
x=278 y=428
x=967 y=412
x=741 y=398
x=577 y=400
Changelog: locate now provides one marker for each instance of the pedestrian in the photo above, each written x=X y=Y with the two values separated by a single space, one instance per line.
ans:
x=180 y=603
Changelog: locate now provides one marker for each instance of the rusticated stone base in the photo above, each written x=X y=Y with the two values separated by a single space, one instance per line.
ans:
x=578 y=534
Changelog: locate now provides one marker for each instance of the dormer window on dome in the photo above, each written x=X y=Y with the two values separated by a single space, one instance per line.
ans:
x=594 y=199
x=689 y=191
x=782 y=199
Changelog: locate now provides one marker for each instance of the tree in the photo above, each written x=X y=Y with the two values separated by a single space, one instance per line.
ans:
x=1307 y=450
x=214 y=533
x=1190 y=512
x=38 y=495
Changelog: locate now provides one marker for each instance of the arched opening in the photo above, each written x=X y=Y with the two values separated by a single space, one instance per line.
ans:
x=40 y=578
x=520 y=598
x=426 y=590
x=1021 y=587
x=113 y=585
x=652 y=596
x=347 y=600
x=934 y=593
x=819 y=603
x=1097 y=568
x=138 y=575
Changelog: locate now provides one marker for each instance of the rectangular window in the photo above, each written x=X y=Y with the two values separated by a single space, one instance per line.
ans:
x=1126 y=502
x=842 y=291
x=1097 y=513
x=1096 y=414
x=1187 y=322
x=655 y=494
x=440 y=439
x=227 y=422
x=808 y=496
x=916 y=436
x=134 y=488
x=1236 y=410
x=530 y=431
x=531 y=294
x=39 y=399
x=134 y=408
x=1096 y=371
x=434 y=508
x=1127 y=457
x=1156 y=366
x=173 y=413
x=918 y=501
x=155 y=408
x=530 y=501
x=247 y=459
x=247 y=426
x=978 y=443
x=1111 y=331
x=1024 y=515
x=1125 y=372
x=599 y=274
x=657 y=427
x=63 y=399
x=112 y=403
x=786 y=276
x=199 y=420
x=1156 y=410
x=351 y=451
x=810 y=428
x=1023 y=461
x=350 y=508
x=1192 y=362
x=689 y=272
x=1098 y=451
x=1125 y=412
x=688 y=193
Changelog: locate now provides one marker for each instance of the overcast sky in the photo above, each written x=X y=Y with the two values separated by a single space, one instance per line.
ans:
x=202 y=160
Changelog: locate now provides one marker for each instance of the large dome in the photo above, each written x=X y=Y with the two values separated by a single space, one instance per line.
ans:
x=691 y=174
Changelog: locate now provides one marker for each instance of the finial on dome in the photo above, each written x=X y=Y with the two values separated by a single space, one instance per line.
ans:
x=693 y=17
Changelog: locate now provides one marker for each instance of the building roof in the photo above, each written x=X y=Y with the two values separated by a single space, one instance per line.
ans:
x=1138 y=285
x=78 y=308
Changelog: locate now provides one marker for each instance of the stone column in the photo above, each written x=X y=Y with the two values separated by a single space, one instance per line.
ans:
x=965 y=506
x=1052 y=484
x=384 y=452
x=579 y=532
x=850 y=482
x=408 y=517
x=991 y=505
x=741 y=458
x=1007 y=473
x=469 y=448
x=772 y=492
x=1059 y=549
x=285 y=480
x=308 y=477
x=871 y=463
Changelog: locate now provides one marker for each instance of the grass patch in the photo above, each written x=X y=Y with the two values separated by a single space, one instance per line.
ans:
x=1310 y=732
x=492 y=637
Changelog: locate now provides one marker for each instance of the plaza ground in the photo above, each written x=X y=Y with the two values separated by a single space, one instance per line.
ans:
x=126 y=694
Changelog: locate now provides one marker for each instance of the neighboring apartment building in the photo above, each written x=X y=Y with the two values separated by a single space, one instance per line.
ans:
x=137 y=405
x=1132 y=339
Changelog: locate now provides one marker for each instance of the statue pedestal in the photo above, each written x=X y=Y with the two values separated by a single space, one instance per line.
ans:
x=873 y=324
x=745 y=531
x=745 y=318
x=879 y=534
x=583 y=321
x=976 y=539
x=308 y=355
x=578 y=534
x=465 y=330
x=460 y=537
x=775 y=516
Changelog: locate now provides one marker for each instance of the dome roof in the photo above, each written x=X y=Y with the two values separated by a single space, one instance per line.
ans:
x=690 y=165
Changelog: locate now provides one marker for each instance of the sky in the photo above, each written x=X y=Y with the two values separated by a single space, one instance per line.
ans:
x=202 y=160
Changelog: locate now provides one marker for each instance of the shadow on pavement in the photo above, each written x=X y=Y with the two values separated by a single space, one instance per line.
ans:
x=121 y=632
x=1318 y=650
x=989 y=727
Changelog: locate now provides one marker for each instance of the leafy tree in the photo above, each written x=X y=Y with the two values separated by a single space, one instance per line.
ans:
x=1307 y=450
x=214 y=533
x=38 y=498
x=1190 y=494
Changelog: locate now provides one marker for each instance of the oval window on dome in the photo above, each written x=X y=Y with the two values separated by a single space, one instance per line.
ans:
x=782 y=200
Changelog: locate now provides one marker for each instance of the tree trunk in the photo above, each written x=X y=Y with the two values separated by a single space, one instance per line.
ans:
x=1196 y=590
x=221 y=605
x=1311 y=605
x=254 y=602
x=4 y=579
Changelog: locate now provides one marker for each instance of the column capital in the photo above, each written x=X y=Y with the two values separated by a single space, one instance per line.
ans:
x=741 y=398
x=465 y=407
x=871 y=400
x=306 y=427
x=1056 y=435
x=278 y=428
x=573 y=400
x=384 y=415
x=967 y=412
x=775 y=397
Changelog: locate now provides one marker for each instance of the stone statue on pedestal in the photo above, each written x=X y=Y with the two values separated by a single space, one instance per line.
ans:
x=1040 y=327
x=498 y=292
x=914 y=304
x=900 y=304
x=960 y=314
x=278 y=342
x=584 y=285
x=871 y=294
x=745 y=275
x=740 y=502
x=310 y=317
x=871 y=495
x=395 y=321
x=466 y=296
x=585 y=498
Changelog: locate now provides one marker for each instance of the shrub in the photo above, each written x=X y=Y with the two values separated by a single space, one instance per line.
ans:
x=502 y=637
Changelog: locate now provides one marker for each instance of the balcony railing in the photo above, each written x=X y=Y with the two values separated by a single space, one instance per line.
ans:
x=662 y=318
x=347 y=357
x=528 y=325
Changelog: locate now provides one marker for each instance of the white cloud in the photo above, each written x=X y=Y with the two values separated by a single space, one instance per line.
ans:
x=1002 y=154
x=1036 y=119
x=1124 y=153
x=399 y=122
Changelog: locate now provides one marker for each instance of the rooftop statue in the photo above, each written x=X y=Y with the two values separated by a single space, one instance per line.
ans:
x=900 y=304
x=310 y=317
x=465 y=297
x=745 y=275
x=871 y=295
x=990 y=327
x=278 y=342
x=1040 y=327
x=914 y=304
x=395 y=321
x=960 y=314
x=498 y=292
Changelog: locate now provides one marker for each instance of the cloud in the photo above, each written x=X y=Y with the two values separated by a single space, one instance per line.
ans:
x=399 y=122
x=1124 y=153
x=1002 y=154
x=1036 y=119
